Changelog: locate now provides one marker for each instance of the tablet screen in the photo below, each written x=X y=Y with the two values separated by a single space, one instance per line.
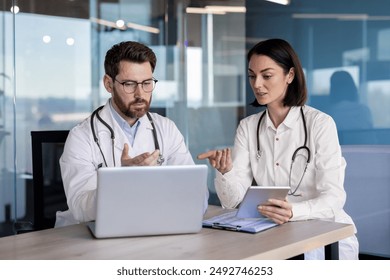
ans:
x=256 y=195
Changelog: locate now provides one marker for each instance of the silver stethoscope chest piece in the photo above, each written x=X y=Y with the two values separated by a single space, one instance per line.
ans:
x=160 y=159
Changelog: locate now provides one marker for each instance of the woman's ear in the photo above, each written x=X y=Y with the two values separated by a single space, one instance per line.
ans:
x=291 y=75
x=108 y=84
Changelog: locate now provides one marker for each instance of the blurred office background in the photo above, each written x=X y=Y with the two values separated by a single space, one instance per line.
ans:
x=51 y=69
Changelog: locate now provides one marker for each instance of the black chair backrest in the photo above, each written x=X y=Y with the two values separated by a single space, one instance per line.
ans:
x=48 y=190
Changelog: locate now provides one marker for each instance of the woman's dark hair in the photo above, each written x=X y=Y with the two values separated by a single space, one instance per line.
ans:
x=128 y=51
x=342 y=87
x=284 y=55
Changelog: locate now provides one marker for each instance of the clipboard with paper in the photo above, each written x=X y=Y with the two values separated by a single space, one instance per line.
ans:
x=247 y=218
x=229 y=221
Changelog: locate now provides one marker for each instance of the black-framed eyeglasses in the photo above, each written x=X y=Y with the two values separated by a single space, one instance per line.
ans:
x=131 y=86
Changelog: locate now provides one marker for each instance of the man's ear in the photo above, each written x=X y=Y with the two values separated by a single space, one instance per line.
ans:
x=108 y=83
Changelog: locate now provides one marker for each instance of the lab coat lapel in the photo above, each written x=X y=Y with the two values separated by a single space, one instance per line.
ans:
x=105 y=137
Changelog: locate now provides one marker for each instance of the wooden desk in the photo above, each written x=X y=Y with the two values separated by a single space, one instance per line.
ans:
x=76 y=242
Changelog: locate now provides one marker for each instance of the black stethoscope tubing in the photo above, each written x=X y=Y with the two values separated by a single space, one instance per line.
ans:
x=160 y=159
x=304 y=147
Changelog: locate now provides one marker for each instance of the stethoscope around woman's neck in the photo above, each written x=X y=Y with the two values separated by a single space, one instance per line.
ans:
x=160 y=159
x=259 y=152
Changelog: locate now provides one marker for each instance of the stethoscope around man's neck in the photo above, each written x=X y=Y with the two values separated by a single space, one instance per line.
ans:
x=259 y=152
x=160 y=159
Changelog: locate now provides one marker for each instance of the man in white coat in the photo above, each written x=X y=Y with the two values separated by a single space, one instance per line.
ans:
x=121 y=133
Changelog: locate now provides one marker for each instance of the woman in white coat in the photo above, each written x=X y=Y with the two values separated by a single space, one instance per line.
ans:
x=118 y=134
x=289 y=143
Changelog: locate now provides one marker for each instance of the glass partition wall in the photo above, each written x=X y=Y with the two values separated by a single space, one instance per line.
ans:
x=52 y=61
x=344 y=47
x=52 y=53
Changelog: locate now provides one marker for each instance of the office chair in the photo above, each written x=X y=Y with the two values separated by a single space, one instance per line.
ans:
x=48 y=191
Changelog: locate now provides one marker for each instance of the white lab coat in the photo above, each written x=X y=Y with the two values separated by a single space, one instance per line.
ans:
x=322 y=194
x=81 y=158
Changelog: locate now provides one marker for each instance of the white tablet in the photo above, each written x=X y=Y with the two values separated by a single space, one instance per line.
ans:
x=256 y=195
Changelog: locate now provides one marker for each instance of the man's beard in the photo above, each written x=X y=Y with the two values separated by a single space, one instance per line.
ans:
x=136 y=113
x=128 y=111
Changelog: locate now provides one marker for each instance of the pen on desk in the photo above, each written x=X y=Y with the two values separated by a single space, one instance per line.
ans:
x=225 y=226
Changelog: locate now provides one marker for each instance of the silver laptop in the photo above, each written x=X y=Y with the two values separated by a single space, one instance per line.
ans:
x=141 y=201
